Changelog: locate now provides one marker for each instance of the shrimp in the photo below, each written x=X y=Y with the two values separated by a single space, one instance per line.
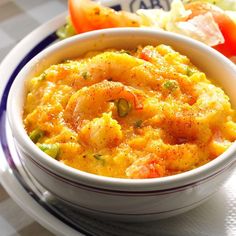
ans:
x=122 y=67
x=192 y=122
x=116 y=66
x=101 y=132
x=87 y=16
x=89 y=102
x=149 y=166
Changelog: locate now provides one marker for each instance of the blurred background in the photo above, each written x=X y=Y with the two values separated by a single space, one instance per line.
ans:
x=19 y=17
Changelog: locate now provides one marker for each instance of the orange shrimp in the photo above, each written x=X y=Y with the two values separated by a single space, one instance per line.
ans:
x=88 y=102
x=149 y=166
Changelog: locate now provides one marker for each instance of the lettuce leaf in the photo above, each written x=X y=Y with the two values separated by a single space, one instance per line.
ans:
x=202 y=28
x=67 y=30
x=224 y=4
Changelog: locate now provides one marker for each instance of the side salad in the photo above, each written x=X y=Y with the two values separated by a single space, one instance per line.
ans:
x=212 y=22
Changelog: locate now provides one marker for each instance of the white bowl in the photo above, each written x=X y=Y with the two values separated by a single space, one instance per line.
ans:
x=123 y=199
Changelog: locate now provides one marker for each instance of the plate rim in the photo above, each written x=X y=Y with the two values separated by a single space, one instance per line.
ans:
x=37 y=212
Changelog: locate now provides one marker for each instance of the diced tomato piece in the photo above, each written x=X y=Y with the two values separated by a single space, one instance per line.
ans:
x=146 y=54
x=87 y=15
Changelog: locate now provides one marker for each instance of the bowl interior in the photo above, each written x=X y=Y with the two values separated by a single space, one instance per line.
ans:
x=216 y=66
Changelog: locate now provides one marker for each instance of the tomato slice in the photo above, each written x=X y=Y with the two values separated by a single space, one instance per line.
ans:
x=87 y=16
x=228 y=29
x=226 y=25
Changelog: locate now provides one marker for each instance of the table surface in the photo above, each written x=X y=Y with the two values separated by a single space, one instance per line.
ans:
x=17 y=19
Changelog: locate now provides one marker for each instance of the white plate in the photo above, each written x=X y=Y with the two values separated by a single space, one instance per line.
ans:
x=216 y=217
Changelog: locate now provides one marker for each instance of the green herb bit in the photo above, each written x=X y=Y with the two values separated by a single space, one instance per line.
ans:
x=85 y=75
x=189 y=71
x=50 y=149
x=36 y=134
x=123 y=107
x=171 y=85
x=138 y=124
x=99 y=158
x=42 y=76
x=66 y=61
x=125 y=51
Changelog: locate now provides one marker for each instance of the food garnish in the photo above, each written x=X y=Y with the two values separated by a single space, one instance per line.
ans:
x=50 y=149
x=211 y=22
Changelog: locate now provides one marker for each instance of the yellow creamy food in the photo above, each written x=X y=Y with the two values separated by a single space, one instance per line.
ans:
x=142 y=113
